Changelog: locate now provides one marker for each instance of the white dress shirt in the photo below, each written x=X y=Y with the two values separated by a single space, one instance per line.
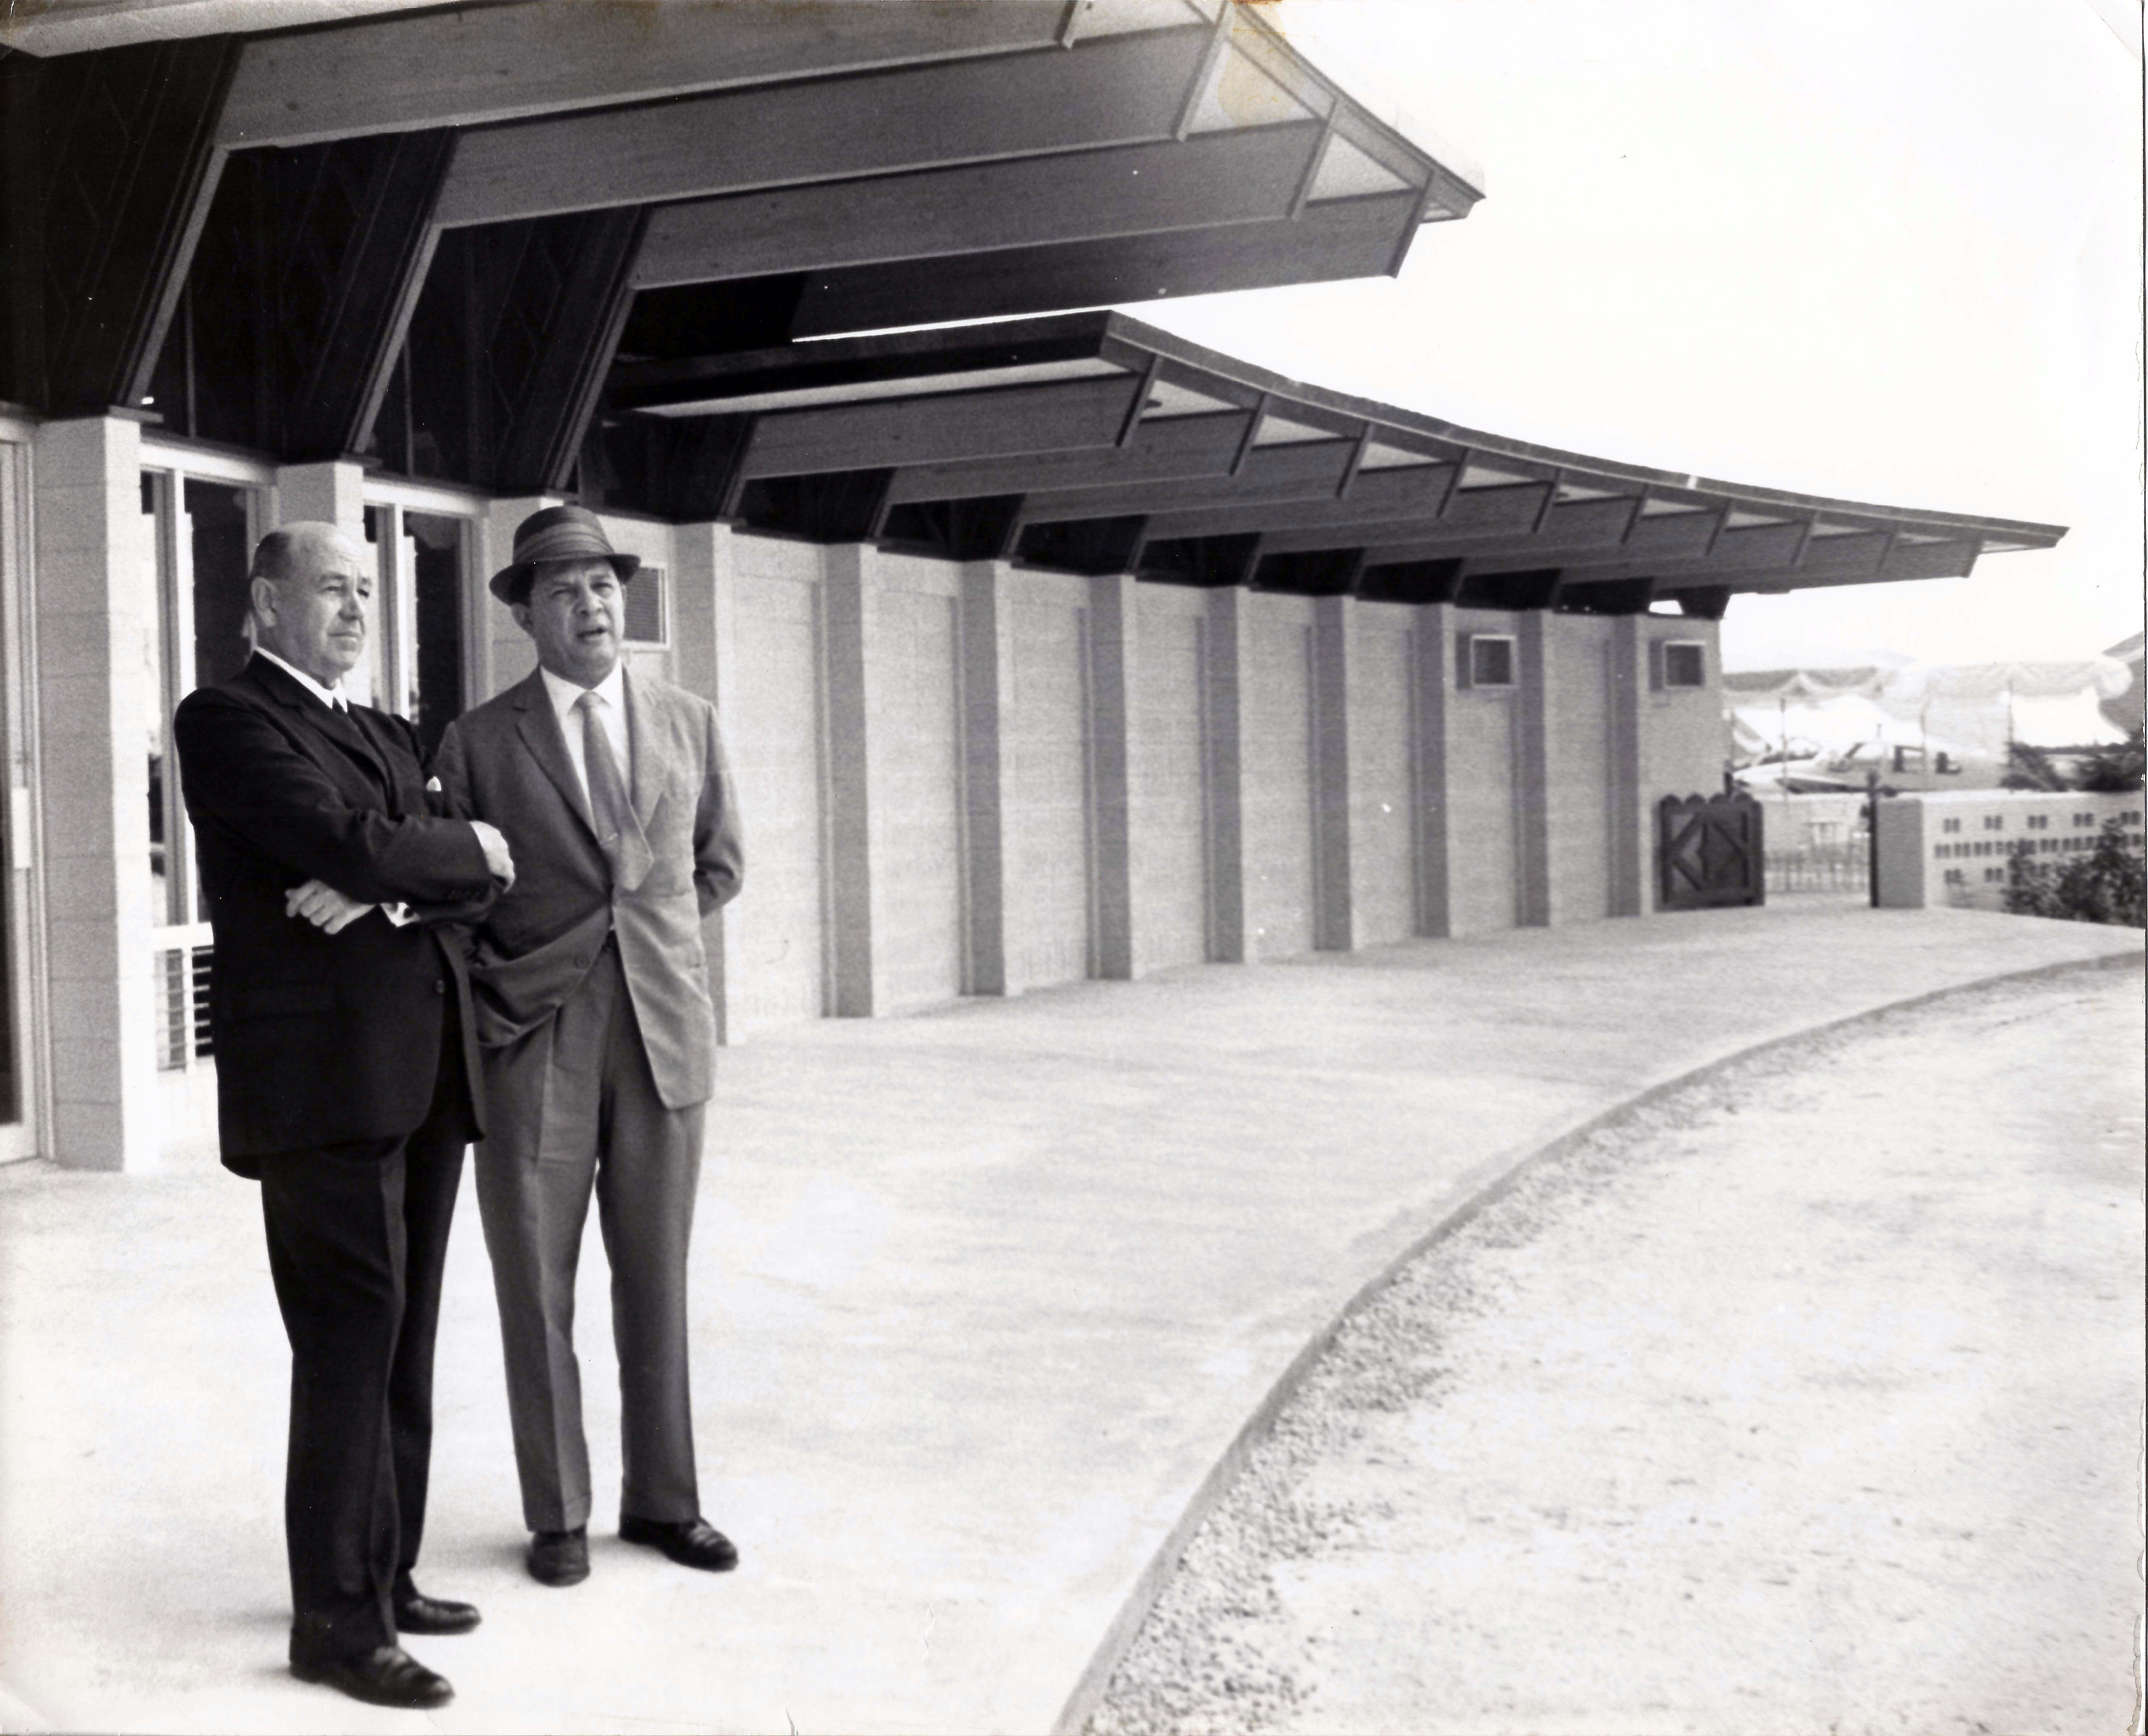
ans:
x=611 y=713
x=332 y=697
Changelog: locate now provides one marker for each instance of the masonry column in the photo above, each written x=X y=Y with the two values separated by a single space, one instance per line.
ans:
x=96 y=700
x=1629 y=810
x=1533 y=773
x=704 y=649
x=1222 y=722
x=1334 y=625
x=332 y=492
x=849 y=588
x=502 y=653
x=1114 y=627
x=1434 y=681
x=987 y=680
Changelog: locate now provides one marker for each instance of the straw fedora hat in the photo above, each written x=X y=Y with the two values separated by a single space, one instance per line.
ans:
x=559 y=533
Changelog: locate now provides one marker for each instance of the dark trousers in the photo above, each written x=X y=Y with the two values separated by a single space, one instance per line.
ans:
x=573 y=1108
x=358 y=1238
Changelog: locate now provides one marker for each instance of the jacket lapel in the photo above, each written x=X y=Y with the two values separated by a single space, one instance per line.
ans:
x=322 y=725
x=539 y=727
x=651 y=770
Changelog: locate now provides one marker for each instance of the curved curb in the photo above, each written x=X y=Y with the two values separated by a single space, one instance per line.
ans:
x=1088 y=1692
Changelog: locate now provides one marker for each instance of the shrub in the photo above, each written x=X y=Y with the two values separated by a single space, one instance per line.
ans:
x=2109 y=884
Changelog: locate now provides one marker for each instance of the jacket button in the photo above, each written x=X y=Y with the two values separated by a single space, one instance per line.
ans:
x=439 y=985
x=581 y=961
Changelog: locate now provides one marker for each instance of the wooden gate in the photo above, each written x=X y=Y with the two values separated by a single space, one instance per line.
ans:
x=1709 y=852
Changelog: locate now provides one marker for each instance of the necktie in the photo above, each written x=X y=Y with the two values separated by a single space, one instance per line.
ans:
x=609 y=810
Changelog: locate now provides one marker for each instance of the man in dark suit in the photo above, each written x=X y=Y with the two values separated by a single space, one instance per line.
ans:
x=590 y=988
x=346 y=1082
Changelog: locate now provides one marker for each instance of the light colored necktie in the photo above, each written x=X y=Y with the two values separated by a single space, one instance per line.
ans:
x=611 y=811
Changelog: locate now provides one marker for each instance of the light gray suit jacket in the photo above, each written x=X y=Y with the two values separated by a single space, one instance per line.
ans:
x=506 y=762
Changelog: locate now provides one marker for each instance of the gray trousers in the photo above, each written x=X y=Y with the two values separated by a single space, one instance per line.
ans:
x=570 y=1107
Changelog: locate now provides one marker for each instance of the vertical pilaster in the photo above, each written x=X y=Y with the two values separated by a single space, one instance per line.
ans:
x=97 y=697
x=1114 y=629
x=504 y=654
x=988 y=682
x=1630 y=819
x=1434 y=684
x=705 y=647
x=1532 y=901
x=332 y=493
x=1334 y=626
x=849 y=585
x=1223 y=659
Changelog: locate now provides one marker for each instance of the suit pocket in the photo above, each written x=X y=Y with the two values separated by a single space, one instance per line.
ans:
x=281 y=1000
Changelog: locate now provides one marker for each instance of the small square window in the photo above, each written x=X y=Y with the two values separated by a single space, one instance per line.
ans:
x=1487 y=659
x=1677 y=664
x=1949 y=826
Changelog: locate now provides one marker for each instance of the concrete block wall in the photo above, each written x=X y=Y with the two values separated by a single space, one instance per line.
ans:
x=956 y=778
x=1681 y=742
x=1168 y=794
x=95 y=625
x=1384 y=735
x=1483 y=743
x=1276 y=798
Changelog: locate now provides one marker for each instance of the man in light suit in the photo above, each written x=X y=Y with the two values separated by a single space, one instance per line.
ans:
x=590 y=990
x=346 y=1082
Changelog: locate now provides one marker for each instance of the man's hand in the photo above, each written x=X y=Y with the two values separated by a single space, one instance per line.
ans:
x=496 y=856
x=321 y=905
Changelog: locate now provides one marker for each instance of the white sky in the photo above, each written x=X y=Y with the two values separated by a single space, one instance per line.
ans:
x=1885 y=250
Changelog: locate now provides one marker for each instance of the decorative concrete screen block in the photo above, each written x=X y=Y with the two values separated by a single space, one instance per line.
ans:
x=1169 y=798
x=1677 y=663
x=1045 y=792
x=1382 y=854
x=1481 y=746
x=774 y=734
x=647 y=621
x=1278 y=776
x=916 y=749
x=1485 y=660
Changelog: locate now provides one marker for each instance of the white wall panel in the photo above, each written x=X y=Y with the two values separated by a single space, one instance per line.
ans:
x=1169 y=842
x=1046 y=794
x=1278 y=776
x=1382 y=854
x=774 y=734
x=916 y=819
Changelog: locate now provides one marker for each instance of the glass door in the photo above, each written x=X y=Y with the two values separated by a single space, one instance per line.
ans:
x=19 y=928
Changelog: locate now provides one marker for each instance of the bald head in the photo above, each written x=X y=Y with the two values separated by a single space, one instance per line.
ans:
x=311 y=591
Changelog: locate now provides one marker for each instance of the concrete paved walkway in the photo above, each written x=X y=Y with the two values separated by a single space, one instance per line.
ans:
x=982 y=1295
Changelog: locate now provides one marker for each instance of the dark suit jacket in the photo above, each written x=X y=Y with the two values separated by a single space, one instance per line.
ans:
x=506 y=762
x=322 y=1039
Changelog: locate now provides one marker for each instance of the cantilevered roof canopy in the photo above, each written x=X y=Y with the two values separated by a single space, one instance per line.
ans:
x=1092 y=442
x=423 y=233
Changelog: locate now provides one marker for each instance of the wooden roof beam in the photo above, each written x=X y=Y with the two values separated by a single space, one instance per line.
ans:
x=1345 y=239
x=1113 y=90
x=1159 y=452
x=1215 y=180
x=962 y=425
x=475 y=65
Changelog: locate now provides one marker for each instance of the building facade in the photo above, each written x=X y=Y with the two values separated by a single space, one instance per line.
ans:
x=1048 y=649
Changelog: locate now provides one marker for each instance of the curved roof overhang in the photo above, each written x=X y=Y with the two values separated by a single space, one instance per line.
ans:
x=511 y=187
x=1098 y=443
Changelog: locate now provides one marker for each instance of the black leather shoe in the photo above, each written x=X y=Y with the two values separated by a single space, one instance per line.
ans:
x=417 y=1613
x=690 y=1542
x=560 y=1558
x=386 y=1676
